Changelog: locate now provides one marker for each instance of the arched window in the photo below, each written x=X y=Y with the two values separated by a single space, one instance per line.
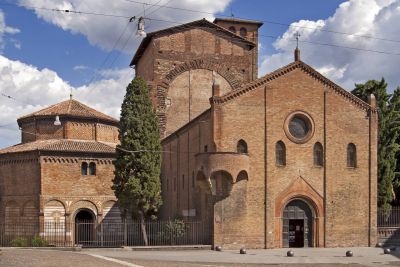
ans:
x=241 y=146
x=242 y=176
x=232 y=29
x=351 y=155
x=243 y=32
x=84 y=167
x=92 y=168
x=318 y=155
x=280 y=153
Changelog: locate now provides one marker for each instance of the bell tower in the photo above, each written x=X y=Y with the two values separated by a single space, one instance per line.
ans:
x=247 y=29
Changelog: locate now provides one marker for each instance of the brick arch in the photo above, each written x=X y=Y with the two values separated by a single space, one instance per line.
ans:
x=84 y=204
x=302 y=190
x=299 y=189
x=13 y=207
x=56 y=200
x=202 y=64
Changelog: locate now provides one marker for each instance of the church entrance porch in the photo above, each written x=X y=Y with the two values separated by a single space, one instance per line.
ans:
x=84 y=227
x=297 y=225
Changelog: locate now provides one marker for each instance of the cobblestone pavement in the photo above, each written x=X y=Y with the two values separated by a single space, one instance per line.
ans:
x=49 y=258
x=195 y=258
x=371 y=257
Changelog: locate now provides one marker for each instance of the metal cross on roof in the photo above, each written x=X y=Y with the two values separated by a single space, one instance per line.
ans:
x=297 y=36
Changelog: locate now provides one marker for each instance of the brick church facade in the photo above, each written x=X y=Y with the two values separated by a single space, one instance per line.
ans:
x=285 y=160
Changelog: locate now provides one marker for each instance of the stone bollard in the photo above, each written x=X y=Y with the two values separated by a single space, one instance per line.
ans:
x=242 y=251
x=290 y=253
x=349 y=253
x=218 y=248
x=386 y=251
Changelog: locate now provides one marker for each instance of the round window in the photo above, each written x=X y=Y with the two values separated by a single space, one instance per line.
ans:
x=299 y=127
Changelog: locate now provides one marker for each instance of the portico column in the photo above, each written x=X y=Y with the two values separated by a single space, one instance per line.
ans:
x=68 y=239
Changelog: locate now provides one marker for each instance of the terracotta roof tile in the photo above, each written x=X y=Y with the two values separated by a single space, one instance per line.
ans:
x=73 y=108
x=62 y=145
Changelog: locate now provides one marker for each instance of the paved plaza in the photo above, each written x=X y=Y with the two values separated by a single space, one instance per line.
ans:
x=126 y=257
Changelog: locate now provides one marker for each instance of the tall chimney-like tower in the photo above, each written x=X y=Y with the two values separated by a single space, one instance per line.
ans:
x=247 y=29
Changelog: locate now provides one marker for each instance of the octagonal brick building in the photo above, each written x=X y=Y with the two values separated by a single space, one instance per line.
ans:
x=59 y=174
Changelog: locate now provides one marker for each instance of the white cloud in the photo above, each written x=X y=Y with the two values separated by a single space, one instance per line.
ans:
x=80 y=67
x=378 y=18
x=35 y=89
x=4 y=29
x=104 y=31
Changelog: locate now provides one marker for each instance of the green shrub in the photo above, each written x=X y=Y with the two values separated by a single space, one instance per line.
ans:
x=173 y=231
x=19 y=242
x=37 y=241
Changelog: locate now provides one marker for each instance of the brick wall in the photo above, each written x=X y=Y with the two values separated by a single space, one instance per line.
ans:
x=228 y=58
x=179 y=175
x=43 y=129
x=19 y=187
x=336 y=194
x=62 y=176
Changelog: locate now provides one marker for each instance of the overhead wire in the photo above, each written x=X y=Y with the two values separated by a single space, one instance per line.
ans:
x=283 y=24
x=127 y=40
x=204 y=12
x=181 y=25
x=275 y=23
x=118 y=147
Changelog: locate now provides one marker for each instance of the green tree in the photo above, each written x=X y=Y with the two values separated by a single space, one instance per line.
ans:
x=137 y=166
x=388 y=135
x=395 y=105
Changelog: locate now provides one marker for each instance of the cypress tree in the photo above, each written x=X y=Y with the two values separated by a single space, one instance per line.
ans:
x=388 y=134
x=137 y=166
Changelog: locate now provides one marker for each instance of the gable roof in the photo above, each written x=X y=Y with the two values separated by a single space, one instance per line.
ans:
x=70 y=108
x=283 y=71
x=198 y=23
x=62 y=145
x=237 y=20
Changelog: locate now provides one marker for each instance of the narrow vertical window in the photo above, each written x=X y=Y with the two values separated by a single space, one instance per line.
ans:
x=243 y=32
x=318 y=155
x=280 y=153
x=84 y=168
x=92 y=168
x=183 y=181
x=174 y=184
x=192 y=179
x=351 y=155
x=241 y=146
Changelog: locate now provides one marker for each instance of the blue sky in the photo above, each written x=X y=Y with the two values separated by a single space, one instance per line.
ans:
x=45 y=45
x=46 y=54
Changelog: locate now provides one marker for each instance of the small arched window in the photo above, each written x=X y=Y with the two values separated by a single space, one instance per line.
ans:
x=232 y=29
x=351 y=155
x=241 y=146
x=280 y=153
x=92 y=168
x=84 y=168
x=243 y=32
x=318 y=155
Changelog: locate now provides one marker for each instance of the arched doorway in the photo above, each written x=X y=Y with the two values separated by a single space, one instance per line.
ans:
x=84 y=227
x=297 y=225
